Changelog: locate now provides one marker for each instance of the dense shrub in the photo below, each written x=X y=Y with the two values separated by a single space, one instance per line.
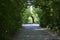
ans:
x=10 y=17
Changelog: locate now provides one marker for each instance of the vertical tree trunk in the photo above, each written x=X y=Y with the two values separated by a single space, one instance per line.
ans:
x=32 y=19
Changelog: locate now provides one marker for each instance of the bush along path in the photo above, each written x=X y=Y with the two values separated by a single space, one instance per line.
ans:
x=10 y=17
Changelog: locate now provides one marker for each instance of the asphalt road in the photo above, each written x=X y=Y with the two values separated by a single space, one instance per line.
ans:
x=34 y=33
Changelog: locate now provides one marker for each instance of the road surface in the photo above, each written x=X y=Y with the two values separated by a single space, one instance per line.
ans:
x=33 y=32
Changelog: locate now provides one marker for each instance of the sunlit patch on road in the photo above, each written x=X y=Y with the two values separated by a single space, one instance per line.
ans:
x=41 y=29
x=31 y=26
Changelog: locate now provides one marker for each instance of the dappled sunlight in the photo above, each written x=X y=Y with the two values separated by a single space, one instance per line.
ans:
x=41 y=29
x=31 y=9
x=30 y=20
x=31 y=15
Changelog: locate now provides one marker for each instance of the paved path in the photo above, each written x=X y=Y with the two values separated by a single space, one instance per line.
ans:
x=34 y=34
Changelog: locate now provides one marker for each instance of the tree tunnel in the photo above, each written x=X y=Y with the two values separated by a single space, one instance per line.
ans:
x=13 y=13
x=48 y=13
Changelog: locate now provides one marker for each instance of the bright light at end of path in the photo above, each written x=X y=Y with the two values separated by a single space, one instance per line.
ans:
x=31 y=9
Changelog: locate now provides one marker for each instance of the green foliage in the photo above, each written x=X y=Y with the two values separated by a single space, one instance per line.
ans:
x=11 y=12
x=51 y=11
x=38 y=14
x=30 y=13
x=10 y=17
x=26 y=15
